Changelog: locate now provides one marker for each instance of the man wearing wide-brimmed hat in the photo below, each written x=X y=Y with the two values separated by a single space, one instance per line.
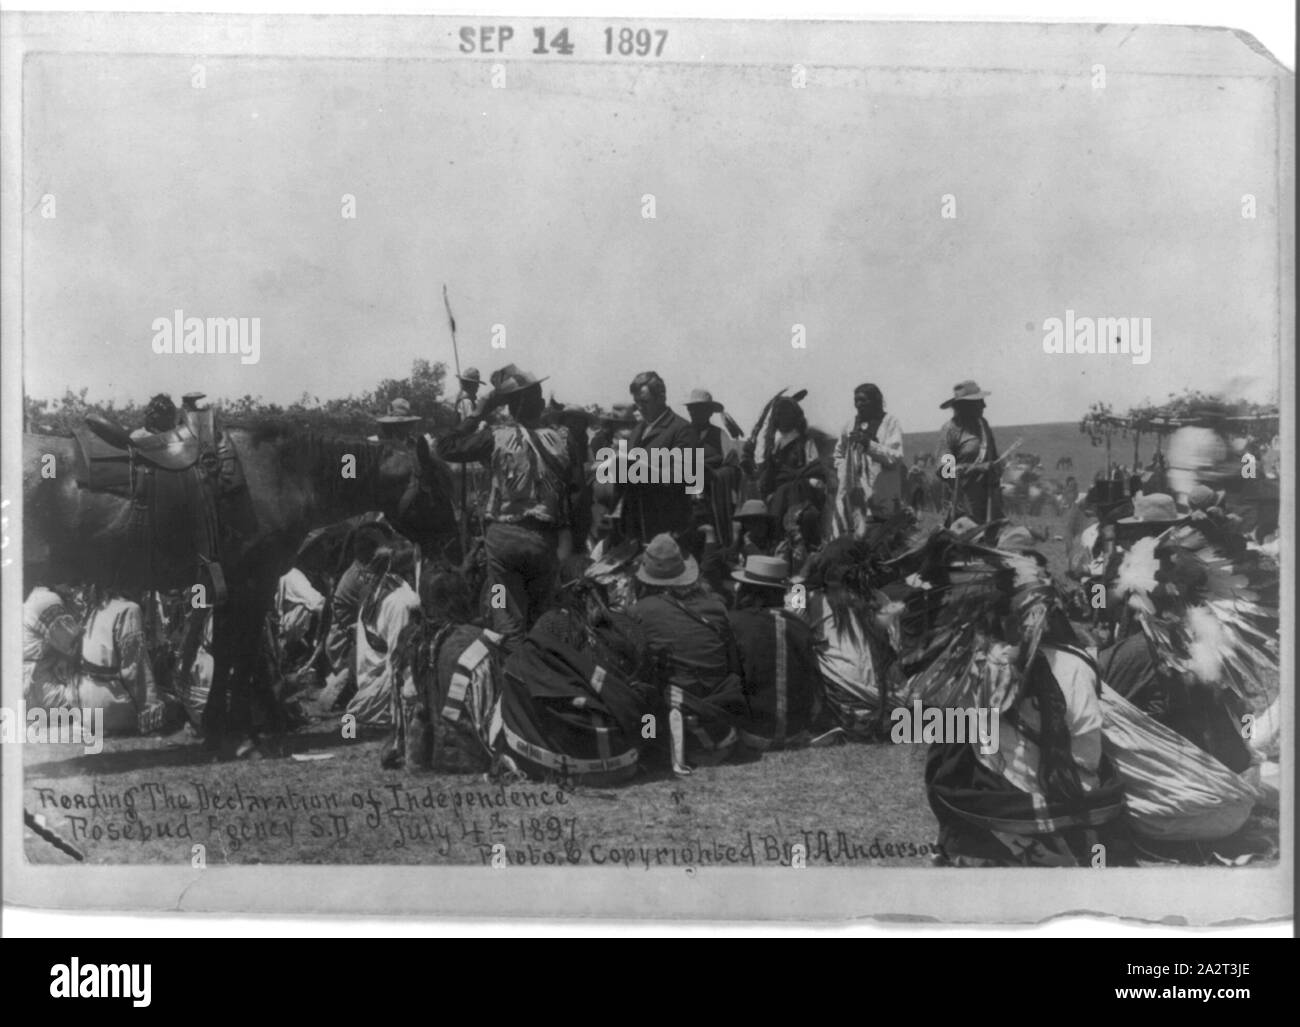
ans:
x=530 y=500
x=972 y=456
x=757 y=534
x=398 y=421
x=406 y=488
x=470 y=383
x=719 y=446
x=722 y=475
x=776 y=656
x=687 y=625
x=1153 y=511
x=1203 y=499
x=473 y=477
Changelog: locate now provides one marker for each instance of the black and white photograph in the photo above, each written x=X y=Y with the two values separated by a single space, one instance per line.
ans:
x=533 y=465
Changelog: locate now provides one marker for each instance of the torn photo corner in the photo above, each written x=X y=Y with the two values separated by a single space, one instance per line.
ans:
x=555 y=467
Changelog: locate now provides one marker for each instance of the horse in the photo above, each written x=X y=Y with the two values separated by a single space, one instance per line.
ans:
x=294 y=480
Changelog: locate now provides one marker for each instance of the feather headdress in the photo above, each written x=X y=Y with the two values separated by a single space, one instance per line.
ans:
x=1210 y=617
x=975 y=617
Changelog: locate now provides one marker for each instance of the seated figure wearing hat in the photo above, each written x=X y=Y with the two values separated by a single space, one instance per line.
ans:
x=687 y=626
x=755 y=534
x=776 y=657
x=967 y=441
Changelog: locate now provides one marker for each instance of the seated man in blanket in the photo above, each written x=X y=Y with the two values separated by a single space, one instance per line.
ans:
x=345 y=604
x=852 y=655
x=444 y=708
x=687 y=624
x=576 y=696
x=115 y=674
x=384 y=615
x=776 y=656
x=51 y=646
x=1016 y=774
x=298 y=608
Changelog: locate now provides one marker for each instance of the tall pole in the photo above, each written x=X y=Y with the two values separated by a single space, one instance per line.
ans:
x=451 y=322
x=464 y=471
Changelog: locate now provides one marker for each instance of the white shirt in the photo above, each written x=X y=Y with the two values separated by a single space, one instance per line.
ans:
x=375 y=669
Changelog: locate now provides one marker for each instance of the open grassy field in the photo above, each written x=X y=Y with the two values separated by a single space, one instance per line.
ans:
x=1049 y=441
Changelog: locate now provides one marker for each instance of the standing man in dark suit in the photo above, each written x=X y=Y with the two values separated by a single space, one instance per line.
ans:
x=664 y=507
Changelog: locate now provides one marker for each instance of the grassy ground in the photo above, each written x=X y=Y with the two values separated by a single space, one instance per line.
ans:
x=837 y=802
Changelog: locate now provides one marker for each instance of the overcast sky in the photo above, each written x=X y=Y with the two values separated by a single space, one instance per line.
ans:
x=774 y=207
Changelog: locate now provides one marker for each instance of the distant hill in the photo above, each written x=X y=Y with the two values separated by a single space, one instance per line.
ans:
x=1050 y=441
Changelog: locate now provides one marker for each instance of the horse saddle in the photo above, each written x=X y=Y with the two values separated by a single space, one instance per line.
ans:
x=174 y=450
x=174 y=519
